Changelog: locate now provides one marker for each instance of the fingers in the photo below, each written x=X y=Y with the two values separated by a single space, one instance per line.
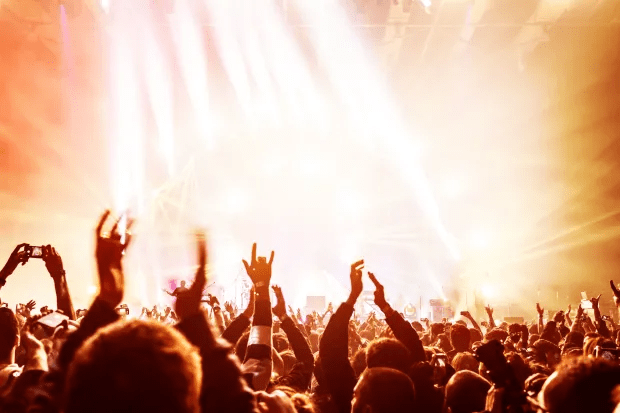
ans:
x=17 y=248
x=102 y=221
x=614 y=288
x=247 y=266
x=254 y=254
x=271 y=257
x=374 y=280
x=357 y=265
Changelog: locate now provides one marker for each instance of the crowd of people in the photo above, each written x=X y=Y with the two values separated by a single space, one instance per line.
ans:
x=208 y=357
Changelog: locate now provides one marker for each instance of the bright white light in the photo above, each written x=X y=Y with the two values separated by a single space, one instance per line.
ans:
x=487 y=291
x=92 y=290
x=235 y=201
x=350 y=253
x=351 y=205
x=479 y=240
x=105 y=5
x=310 y=166
x=452 y=186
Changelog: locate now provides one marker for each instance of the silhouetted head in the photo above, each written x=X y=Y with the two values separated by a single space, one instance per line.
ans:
x=460 y=336
x=182 y=283
x=581 y=385
x=388 y=352
x=466 y=392
x=383 y=390
x=136 y=366
x=9 y=333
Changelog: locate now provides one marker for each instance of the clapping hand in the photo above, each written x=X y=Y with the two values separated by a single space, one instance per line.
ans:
x=357 y=285
x=188 y=303
x=380 y=300
x=280 y=308
x=109 y=252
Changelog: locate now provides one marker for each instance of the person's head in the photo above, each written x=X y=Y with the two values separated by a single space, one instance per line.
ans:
x=359 y=362
x=460 y=336
x=474 y=335
x=417 y=326
x=9 y=335
x=388 y=352
x=436 y=329
x=581 y=385
x=547 y=352
x=289 y=360
x=301 y=402
x=551 y=333
x=466 y=392
x=136 y=366
x=313 y=339
x=383 y=390
x=182 y=283
x=465 y=361
x=496 y=334
x=280 y=343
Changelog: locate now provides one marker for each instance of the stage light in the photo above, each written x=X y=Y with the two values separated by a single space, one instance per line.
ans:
x=452 y=186
x=487 y=291
x=235 y=201
x=479 y=240
x=92 y=290
x=105 y=5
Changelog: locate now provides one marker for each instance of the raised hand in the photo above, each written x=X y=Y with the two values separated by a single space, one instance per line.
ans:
x=30 y=305
x=568 y=310
x=280 y=308
x=259 y=269
x=356 y=281
x=330 y=308
x=188 y=303
x=540 y=310
x=616 y=293
x=14 y=260
x=489 y=310
x=53 y=261
x=229 y=308
x=380 y=300
x=466 y=314
x=109 y=252
x=595 y=301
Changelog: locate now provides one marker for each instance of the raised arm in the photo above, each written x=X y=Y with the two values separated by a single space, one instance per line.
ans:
x=223 y=390
x=334 y=350
x=237 y=327
x=300 y=376
x=403 y=330
x=53 y=263
x=257 y=364
x=489 y=311
x=599 y=323
x=471 y=319
x=541 y=313
x=109 y=253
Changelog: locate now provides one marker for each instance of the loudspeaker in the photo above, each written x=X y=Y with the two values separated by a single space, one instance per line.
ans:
x=315 y=303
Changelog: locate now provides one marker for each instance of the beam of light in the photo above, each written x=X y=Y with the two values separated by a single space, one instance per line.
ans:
x=105 y=5
x=230 y=51
x=187 y=36
x=289 y=67
x=367 y=104
x=159 y=86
